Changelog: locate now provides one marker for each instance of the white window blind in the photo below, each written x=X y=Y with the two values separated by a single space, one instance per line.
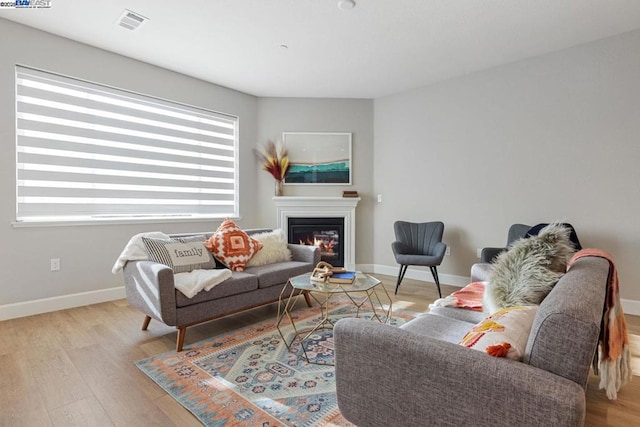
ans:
x=92 y=152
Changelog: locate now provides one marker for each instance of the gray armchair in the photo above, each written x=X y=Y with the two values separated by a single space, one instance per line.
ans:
x=516 y=231
x=481 y=270
x=418 y=244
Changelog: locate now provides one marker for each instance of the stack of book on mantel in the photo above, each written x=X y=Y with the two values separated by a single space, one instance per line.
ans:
x=343 y=277
x=350 y=193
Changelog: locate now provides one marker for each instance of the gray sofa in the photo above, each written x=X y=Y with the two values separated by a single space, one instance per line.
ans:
x=417 y=375
x=150 y=288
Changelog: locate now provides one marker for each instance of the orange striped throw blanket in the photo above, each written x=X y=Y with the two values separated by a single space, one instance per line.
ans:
x=614 y=359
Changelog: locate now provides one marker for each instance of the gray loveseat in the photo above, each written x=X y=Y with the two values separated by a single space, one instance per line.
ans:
x=417 y=375
x=150 y=288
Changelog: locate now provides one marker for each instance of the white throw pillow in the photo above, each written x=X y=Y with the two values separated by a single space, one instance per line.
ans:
x=504 y=333
x=274 y=248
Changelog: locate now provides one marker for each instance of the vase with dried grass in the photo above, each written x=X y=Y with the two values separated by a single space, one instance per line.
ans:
x=275 y=160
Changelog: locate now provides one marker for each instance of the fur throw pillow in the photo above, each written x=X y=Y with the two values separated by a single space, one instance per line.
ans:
x=527 y=272
x=274 y=248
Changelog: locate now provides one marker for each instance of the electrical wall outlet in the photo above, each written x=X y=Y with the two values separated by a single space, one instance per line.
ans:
x=478 y=252
x=447 y=252
x=55 y=264
x=379 y=198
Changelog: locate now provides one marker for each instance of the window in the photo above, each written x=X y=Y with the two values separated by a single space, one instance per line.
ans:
x=92 y=152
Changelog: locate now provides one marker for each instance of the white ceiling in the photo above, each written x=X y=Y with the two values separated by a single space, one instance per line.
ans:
x=378 y=48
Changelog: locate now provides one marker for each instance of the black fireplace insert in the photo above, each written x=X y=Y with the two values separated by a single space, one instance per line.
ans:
x=325 y=233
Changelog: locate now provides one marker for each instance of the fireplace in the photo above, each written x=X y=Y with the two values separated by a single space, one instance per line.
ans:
x=340 y=208
x=325 y=233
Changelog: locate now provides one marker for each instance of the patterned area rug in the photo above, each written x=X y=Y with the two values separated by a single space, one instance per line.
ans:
x=248 y=377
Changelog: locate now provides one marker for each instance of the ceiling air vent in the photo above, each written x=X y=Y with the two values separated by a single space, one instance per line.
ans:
x=130 y=20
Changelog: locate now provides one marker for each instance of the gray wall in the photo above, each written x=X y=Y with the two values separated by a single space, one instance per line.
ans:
x=87 y=253
x=554 y=137
x=277 y=115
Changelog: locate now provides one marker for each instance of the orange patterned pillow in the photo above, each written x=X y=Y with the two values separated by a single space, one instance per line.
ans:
x=232 y=246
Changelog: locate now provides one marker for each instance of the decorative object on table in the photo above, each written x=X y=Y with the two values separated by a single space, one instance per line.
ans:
x=350 y=193
x=249 y=376
x=319 y=157
x=275 y=160
x=321 y=272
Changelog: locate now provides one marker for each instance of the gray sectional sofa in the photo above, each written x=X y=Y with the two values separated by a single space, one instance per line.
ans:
x=417 y=375
x=150 y=288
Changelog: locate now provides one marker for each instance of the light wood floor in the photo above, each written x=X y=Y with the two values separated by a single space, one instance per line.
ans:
x=75 y=367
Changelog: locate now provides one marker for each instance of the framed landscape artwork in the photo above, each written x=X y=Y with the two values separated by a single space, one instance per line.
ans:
x=318 y=158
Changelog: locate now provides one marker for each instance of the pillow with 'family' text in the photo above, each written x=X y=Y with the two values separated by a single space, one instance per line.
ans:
x=180 y=256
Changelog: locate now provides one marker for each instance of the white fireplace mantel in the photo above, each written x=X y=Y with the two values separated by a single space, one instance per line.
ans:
x=312 y=207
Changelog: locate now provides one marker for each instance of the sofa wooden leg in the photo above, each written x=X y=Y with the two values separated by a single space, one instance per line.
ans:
x=307 y=298
x=145 y=322
x=180 y=340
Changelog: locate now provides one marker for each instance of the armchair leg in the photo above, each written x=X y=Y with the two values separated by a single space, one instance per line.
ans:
x=403 y=269
x=434 y=273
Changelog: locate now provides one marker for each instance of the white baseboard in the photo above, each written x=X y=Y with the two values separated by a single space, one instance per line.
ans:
x=367 y=268
x=46 y=305
x=629 y=306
